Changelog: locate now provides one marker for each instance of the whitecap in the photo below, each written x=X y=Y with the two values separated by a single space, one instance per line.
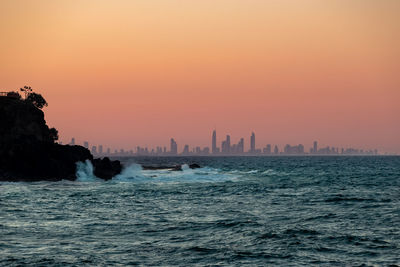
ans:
x=135 y=173
x=252 y=171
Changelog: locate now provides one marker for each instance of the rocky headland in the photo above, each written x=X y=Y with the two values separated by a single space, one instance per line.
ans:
x=28 y=147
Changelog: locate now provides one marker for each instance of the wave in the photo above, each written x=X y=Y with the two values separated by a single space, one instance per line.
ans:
x=269 y=172
x=259 y=173
x=135 y=173
x=84 y=172
x=252 y=171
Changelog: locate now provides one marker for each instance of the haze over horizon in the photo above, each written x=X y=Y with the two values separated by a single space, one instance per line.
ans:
x=128 y=73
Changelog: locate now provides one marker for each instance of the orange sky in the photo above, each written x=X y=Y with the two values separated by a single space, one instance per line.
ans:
x=125 y=73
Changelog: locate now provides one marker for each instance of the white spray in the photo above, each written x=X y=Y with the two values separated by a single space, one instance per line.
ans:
x=84 y=172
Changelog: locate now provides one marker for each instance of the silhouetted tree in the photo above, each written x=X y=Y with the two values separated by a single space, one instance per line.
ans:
x=54 y=134
x=27 y=90
x=37 y=100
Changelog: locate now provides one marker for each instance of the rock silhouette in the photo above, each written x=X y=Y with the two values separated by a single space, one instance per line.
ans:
x=106 y=168
x=28 y=151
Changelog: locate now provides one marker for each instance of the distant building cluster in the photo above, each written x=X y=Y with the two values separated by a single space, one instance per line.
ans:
x=226 y=148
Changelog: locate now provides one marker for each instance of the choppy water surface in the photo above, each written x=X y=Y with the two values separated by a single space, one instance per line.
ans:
x=233 y=211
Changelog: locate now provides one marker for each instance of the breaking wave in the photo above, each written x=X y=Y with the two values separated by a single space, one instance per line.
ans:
x=84 y=172
x=135 y=173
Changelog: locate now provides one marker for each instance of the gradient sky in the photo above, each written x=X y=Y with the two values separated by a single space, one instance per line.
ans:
x=124 y=73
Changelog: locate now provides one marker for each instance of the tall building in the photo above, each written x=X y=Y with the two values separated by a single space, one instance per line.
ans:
x=226 y=145
x=214 y=148
x=185 y=150
x=72 y=141
x=94 y=150
x=240 y=146
x=276 y=150
x=174 y=147
x=86 y=144
x=223 y=147
x=253 y=143
x=300 y=149
x=100 y=149
x=315 y=148
x=269 y=150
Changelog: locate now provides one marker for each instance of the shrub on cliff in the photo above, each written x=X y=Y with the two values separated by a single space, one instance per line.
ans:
x=34 y=98
x=27 y=90
x=37 y=100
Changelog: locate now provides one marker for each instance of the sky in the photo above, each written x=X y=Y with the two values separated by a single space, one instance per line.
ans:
x=125 y=73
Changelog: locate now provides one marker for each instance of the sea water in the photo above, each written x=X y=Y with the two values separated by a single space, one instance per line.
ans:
x=255 y=211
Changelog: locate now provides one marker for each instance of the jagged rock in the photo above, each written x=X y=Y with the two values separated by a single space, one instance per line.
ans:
x=105 y=168
x=194 y=166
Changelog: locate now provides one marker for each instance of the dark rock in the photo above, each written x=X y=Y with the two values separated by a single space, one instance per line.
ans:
x=177 y=168
x=106 y=169
x=194 y=166
x=28 y=151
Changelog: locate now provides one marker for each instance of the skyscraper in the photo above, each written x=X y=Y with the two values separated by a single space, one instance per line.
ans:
x=241 y=146
x=226 y=145
x=214 y=142
x=315 y=149
x=223 y=147
x=253 y=143
x=269 y=150
x=174 y=147
x=185 y=150
x=100 y=149
x=86 y=144
x=72 y=141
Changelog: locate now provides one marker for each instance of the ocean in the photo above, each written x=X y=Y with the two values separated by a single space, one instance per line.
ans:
x=234 y=211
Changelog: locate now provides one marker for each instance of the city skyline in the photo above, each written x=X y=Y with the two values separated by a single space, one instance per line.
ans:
x=226 y=148
x=291 y=71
